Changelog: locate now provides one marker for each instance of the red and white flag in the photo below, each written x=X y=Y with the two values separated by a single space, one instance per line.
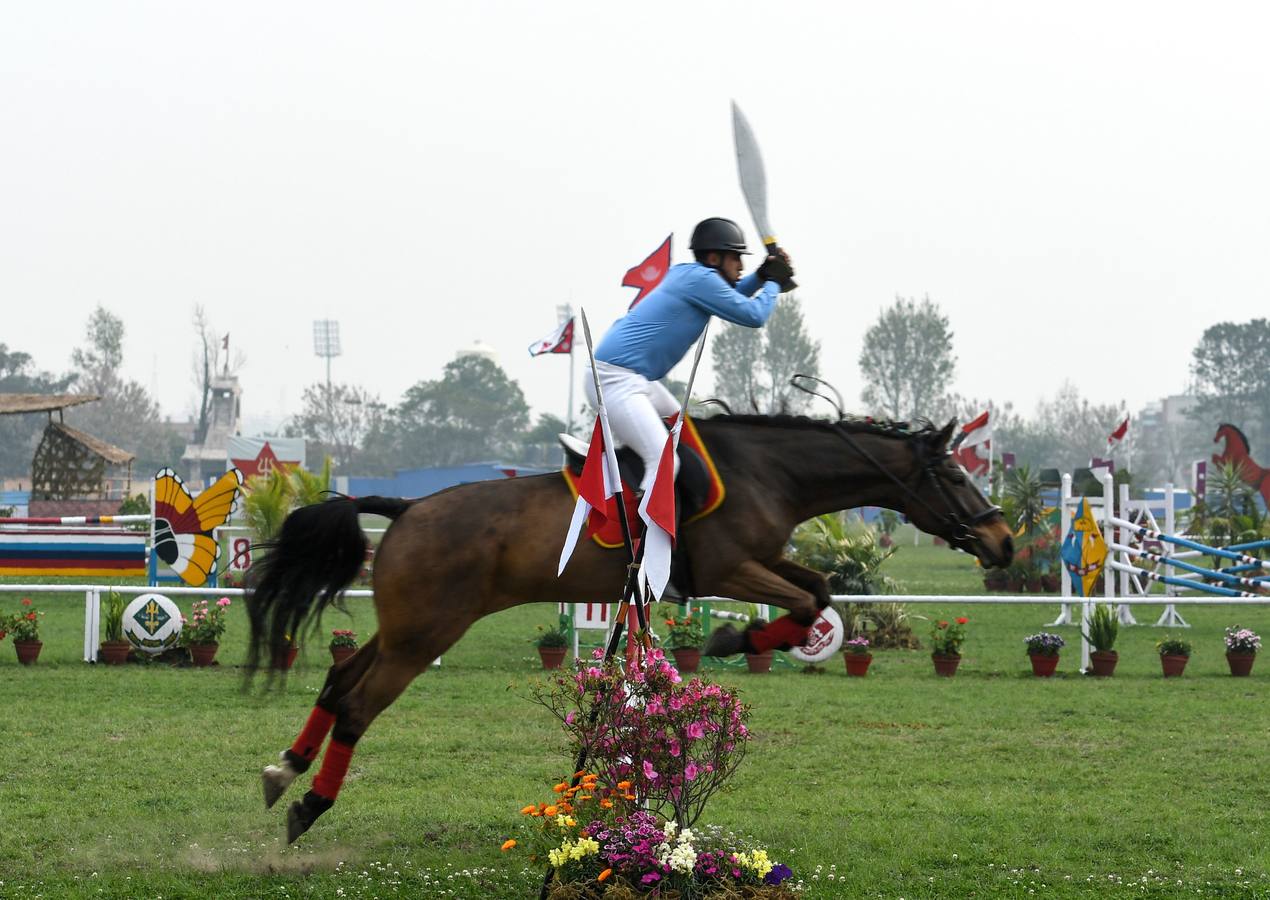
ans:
x=657 y=509
x=559 y=341
x=648 y=274
x=1118 y=435
x=973 y=445
x=596 y=487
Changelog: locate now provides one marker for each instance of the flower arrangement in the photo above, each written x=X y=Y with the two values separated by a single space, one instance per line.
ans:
x=946 y=639
x=1044 y=644
x=343 y=637
x=857 y=646
x=1171 y=646
x=555 y=636
x=1242 y=640
x=684 y=633
x=206 y=623
x=675 y=742
x=24 y=625
x=593 y=833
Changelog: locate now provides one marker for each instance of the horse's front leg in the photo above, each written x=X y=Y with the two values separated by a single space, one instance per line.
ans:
x=805 y=578
x=754 y=582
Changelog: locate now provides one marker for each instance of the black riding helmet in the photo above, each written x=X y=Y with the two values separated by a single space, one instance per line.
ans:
x=718 y=234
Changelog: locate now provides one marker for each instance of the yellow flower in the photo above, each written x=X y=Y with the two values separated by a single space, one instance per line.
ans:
x=507 y=845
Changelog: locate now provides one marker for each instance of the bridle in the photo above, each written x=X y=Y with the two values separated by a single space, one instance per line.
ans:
x=960 y=519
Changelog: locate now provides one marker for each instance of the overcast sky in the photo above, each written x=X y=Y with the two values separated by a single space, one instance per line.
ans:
x=1082 y=188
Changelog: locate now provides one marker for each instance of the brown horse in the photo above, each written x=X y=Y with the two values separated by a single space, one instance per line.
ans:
x=476 y=549
x=1238 y=453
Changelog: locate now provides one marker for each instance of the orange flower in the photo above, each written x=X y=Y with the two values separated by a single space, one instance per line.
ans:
x=561 y=787
x=507 y=845
x=606 y=804
x=605 y=874
x=550 y=811
x=584 y=797
x=579 y=773
x=529 y=810
x=670 y=622
x=962 y=620
x=629 y=796
x=566 y=806
x=623 y=785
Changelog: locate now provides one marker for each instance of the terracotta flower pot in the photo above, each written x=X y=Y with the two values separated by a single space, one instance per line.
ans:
x=1240 y=663
x=687 y=659
x=552 y=657
x=1103 y=662
x=1014 y=585
x=115 y=653
x=1034 y=584
x=1050 y=583
x=1043 y=666
x=339 y=654
x=759 y=663
x=857 y=663
x=203 y=654
x=28 y=651
x=945 y=666
x=284 y=661
x=1173 y=665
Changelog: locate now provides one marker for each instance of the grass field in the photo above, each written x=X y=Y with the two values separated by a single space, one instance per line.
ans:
x=143 y=781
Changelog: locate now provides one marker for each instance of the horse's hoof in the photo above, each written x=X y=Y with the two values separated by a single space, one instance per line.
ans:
x=276 y=780
x=724 y=641
x=303 y=813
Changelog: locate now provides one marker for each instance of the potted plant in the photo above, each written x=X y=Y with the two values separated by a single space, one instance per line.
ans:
x=855 y=653
x=945 y=645
x=1042 y=649
x=201 y=632
x=115 y=648
x=1174 y=652
x=284 y=659
x=1103 y=629
x=343 y=644
x=684 y=640
x=1242 y=645
x=24 y=627
x=553 y=644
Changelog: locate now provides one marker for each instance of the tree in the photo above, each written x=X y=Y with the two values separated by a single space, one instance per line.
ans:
x=753 y=366
x=1231 y=370
x=474 y=412
x=337 y=421
x=907 y=360
x=125 y=416
x=1066 y=432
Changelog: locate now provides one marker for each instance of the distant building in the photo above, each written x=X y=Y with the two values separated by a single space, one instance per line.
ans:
x=207 y=460
x=422 y=482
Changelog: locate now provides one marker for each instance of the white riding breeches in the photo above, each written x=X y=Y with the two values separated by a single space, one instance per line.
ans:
x=636 y=408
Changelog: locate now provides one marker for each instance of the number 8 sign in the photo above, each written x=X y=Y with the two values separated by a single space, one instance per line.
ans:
x=240 y=553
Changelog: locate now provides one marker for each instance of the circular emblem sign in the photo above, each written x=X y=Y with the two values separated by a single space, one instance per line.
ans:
x=823 y=640
x=152 y=623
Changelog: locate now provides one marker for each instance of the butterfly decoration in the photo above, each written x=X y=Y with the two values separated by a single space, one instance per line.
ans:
x=183 y=523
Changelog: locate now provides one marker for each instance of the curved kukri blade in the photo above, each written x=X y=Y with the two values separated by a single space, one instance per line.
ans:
x=749 y=163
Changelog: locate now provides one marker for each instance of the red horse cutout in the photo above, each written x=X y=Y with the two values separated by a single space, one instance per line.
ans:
x=1236 y=453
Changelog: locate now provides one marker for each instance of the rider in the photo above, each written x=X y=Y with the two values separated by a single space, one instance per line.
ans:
x=652 y=338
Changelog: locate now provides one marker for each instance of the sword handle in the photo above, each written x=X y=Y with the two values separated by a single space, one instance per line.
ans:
x=771 y=247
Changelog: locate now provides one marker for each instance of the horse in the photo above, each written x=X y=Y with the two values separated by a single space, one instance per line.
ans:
x=1236 y=452
x=453 y=557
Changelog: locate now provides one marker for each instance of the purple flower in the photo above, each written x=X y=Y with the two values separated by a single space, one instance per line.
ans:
x=779 y=873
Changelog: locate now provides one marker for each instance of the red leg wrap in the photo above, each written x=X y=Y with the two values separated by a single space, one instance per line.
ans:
x=784 y=632
x=315 y=730
x=334 y=767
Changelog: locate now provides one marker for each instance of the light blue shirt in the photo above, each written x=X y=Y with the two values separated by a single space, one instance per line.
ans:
x=655 y=335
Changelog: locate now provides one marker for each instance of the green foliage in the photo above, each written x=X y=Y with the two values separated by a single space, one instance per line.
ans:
x=1025 y=493
x=907 y=362
x=1104 y=627
x=20 y=434
x=1229 y=513
x=553 y=637
x=684 y=633
x=753 y=366
x=266 y=504
x=1231 y=369
x=136 y=505
x=473 y=413
x=343 y=637
x=113 y=620
x=846 y=550
x=947 y=637
x=1171 y=646
x=338 y=421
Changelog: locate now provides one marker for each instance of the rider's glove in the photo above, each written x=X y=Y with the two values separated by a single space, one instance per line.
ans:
x=778 y=269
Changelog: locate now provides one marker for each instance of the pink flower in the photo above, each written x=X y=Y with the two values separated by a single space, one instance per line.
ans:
x=696 y=731
x=223 y=601
x=649 y=772
x=691 y=771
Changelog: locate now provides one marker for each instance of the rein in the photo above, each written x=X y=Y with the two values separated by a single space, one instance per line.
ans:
x=961 y=521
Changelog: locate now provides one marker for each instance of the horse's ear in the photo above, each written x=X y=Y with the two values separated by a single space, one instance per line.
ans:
x=945 y=434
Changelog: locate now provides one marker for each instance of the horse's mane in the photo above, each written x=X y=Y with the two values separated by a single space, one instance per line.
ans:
x=920 y=428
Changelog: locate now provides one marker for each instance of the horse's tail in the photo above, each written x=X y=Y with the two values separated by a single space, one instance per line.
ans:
x=317 y=554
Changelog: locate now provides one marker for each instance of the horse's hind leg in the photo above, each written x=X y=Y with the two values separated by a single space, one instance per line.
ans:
x=389 y=674
x=294 y=761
